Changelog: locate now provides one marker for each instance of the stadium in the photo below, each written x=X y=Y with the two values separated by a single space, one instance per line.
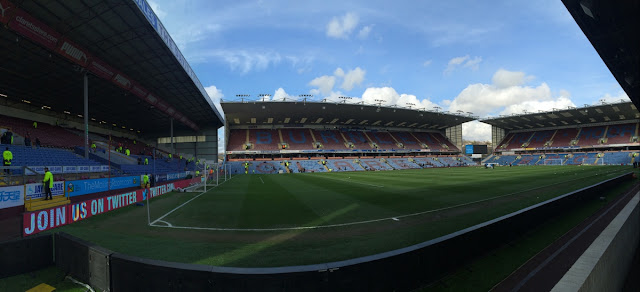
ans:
x=308 y=195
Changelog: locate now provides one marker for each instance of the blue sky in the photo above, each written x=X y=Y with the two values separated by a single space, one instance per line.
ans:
x=485 y=57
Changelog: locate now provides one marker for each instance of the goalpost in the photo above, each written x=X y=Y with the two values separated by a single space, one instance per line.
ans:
x=554 y=161
x=592 y=161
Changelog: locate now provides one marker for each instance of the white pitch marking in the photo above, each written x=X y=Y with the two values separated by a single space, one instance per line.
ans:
x=261 y=179
x=187 y=202
x=357 y=222
x=352 y=181
x=165 y=222
x=396 y=219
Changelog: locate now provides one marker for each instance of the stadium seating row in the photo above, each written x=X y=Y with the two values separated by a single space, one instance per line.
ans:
x=603 y=158
x=309 y=139
x=580 y=137
x=347 y=164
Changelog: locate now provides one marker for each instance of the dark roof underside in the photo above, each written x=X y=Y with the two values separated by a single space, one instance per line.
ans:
x=118 y=33
x=336 y=114
x=612 y=29
x=606 y=113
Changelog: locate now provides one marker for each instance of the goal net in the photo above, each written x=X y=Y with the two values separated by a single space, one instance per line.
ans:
x=593 y=161
x=553 y=162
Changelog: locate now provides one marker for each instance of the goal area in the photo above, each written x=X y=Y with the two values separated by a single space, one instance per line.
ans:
x=553 y=162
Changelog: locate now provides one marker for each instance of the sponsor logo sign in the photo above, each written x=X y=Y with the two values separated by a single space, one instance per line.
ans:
x=89 y=186
x=100 y=69
x=11 y=196
x=6 y=11
x=38 y=221
x=33 y=29
x=36 y=190
x=73 y=52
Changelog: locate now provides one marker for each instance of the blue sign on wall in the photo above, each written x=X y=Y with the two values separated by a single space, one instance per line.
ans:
x=468 y=149
x=89 y=186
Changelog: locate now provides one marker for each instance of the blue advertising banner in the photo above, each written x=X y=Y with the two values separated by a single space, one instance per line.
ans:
x=89 y=186
x=11 y=196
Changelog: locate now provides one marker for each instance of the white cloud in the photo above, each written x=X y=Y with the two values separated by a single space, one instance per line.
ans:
x=427 y=63
x=504 y=78
x=476 y=131
x=508 y=94
x=280 y=94
x=324 y=83
x=352 y=78
x=242 y=60
x=364 y=32
x=342 y=27
x=215 y=95
x=388 y=96
x=608 y=98
x=465 y=62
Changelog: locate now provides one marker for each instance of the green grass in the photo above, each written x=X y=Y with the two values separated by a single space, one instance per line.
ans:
x=294 y=200
x=51 y=276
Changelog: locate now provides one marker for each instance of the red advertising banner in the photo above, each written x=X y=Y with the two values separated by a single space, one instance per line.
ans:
x=121 y=80
x=151 y=99
x=100 y=69
x=33 y=29
x=139 y=91
x=162 y=106
x=7 y=9
x=73 y=52
x=42 y=220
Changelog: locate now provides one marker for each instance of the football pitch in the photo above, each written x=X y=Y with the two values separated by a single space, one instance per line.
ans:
x=298 y=219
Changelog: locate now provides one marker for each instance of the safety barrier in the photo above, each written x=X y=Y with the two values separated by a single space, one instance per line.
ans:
x=398 y=270
x=26 y=255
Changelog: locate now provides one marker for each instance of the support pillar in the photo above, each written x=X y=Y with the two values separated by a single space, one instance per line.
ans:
x=173 y=151
x=86 y=116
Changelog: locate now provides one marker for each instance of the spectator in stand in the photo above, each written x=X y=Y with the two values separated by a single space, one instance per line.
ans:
x=48 y=184
x=27 y=140
x=7 y=156
x=9 y=137
x=127 y=152
x=146 y=161
x=37 y=142
x=93 y=147
x=35 y=125
x=139 y=161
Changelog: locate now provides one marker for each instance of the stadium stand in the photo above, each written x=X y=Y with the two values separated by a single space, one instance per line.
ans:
x=357 y=139
x=383 y=140
x=264 y=139
x=49 y=135
x=237 y=140
x=303 y=166
x=344 y=165
x=563 y=137
x=330 y=139
x=620 y=134
x=297 y=139
x=540 y=138
x=590 y=136
x=30 y=156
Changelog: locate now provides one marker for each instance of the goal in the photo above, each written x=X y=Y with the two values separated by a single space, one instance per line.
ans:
x=592 y=161
x=553 y=162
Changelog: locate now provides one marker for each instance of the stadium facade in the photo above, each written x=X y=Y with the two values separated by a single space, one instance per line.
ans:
x=594 y=134
x=339 y=136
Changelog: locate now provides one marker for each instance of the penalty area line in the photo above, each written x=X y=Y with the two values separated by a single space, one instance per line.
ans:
x=183 y=204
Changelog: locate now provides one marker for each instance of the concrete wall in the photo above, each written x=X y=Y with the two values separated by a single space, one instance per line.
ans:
x=605 y=264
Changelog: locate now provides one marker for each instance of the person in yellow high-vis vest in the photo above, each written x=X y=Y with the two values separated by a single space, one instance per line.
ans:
x=7 y=156
x=48 y=184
